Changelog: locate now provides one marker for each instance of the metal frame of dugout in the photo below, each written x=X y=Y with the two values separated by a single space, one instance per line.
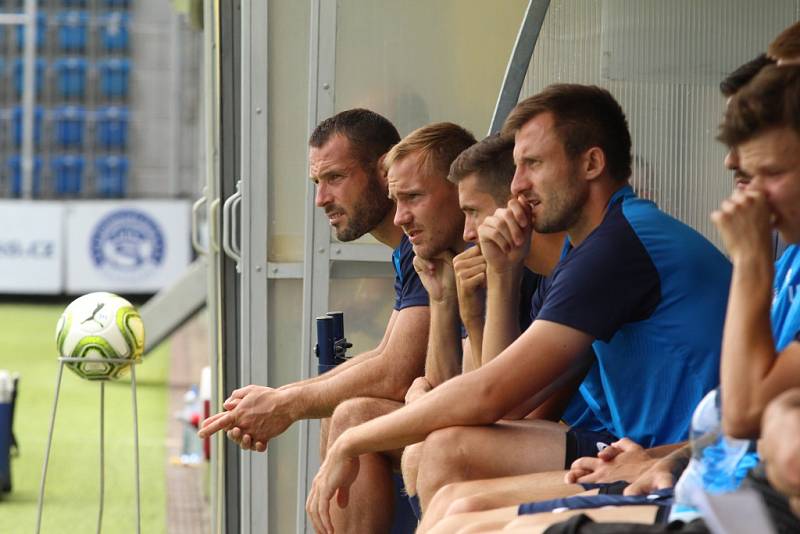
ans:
x=133 y=363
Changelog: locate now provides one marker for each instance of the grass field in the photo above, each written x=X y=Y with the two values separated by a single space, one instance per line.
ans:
x=27 y=346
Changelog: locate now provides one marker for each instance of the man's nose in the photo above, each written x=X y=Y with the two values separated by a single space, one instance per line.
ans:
x=520 y=182
x=402 y=215
x=322 y=197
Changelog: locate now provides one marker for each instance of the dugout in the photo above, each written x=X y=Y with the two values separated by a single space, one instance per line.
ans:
x=273 y=70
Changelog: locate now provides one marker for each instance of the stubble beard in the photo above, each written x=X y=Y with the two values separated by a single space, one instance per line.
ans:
x=564 y=209
x=367 y=213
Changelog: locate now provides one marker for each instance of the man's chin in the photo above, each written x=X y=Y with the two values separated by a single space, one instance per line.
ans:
x=346 y=235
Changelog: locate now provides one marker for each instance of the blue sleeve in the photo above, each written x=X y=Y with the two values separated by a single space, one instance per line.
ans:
x=530 y=283
x=606 y=282
x=408 y=288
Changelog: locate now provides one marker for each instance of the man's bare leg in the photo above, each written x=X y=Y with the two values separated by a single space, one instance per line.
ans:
x=409 y=466
x=494 y=519
x=504 y=449
x=479 y=495
x=324 y=430
x=372 y=495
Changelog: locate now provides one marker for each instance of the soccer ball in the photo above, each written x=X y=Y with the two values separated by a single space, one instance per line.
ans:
x=100 y=325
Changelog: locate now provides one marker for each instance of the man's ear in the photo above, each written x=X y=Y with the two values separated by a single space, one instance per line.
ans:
x=382 y=172
x=594 y=162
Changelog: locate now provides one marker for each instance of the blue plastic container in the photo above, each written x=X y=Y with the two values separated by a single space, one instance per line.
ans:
x=6 y=404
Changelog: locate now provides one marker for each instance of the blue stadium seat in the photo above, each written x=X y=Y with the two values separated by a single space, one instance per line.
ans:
x=111 y=127
x=115 y=32
x=70 y=77
x=73 y=3
x=70 y=124
x=67 y=174
x=14 y=164
x=116 y=3
x=40 y=66
x=114 y=74
x=41 y=32
x=16 y=115
x=111 y=176
x=72 y=31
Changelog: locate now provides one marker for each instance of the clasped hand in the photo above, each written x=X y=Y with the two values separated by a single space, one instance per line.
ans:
x=622 y=460
x=251 y=418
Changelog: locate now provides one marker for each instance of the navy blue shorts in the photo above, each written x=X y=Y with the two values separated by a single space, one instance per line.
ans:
x=661 y=498
x=582 y=443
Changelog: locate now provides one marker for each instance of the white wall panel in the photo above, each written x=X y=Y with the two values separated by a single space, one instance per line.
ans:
x=663 y=61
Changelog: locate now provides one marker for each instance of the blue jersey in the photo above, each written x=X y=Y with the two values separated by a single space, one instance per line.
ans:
x=652 y=293
x=785 y=313
x=724 y=462
x=408 y=288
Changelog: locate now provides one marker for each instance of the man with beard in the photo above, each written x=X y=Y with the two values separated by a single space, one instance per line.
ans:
x=427 y=211
x=346 y=165
x=641 y=288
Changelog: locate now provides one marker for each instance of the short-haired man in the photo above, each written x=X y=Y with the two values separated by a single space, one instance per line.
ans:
x=640 y=287
x=483 y=174
x=427 y=211
x=346 y=157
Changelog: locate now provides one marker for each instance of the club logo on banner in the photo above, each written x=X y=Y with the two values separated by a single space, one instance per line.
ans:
x=127 y=244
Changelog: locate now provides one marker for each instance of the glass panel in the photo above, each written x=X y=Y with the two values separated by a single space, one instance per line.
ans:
x=288 y=124
x=367 y=304
x=285 y=306
x=418 y=62
x=365 y=320
x=663 y=61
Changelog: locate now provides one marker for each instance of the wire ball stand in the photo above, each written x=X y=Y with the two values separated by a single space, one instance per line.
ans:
x=132 y=362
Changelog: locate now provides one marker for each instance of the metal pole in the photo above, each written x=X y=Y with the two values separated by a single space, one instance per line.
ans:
x=47 y=449
x=136 y=449
x=102 y=456
x=519 y=62
x=28 y=97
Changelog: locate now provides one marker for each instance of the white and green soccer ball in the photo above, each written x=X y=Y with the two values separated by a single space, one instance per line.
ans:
x=100 y=326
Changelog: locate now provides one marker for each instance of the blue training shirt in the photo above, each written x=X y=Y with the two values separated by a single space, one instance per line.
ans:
x=785 y=312
x=408 y=288
x=652 y=292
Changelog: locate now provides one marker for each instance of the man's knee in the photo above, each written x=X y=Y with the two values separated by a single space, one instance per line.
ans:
x=467 y=504
x=444 y=448
x=409 y=466
x=444 y=459
x=354 y=412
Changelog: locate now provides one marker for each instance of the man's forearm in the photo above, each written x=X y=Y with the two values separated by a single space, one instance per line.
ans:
x=355 y=360
x=378 y=377
x=444 y=342
x=677 y=460
x=474 y=328
x=502 y=305
x=748 y=350
x=665 y=450
x=439 y=408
